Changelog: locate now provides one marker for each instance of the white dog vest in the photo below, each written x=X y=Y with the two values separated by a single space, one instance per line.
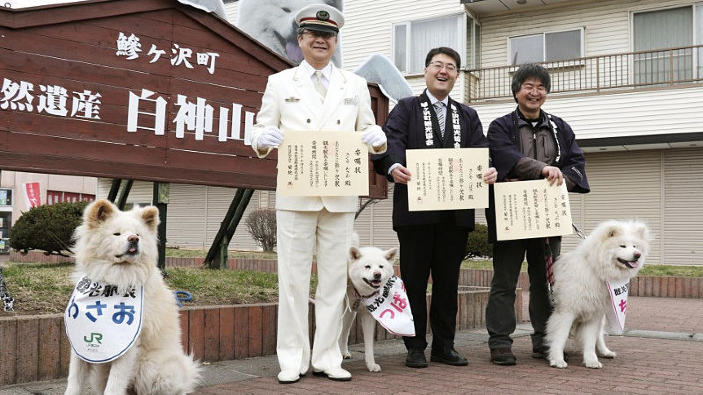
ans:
x=100 y=323
x=391 y=308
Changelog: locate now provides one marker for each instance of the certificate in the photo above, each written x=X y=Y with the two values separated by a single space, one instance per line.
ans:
x=527 y=209
x=322 y=164
x=447 y=178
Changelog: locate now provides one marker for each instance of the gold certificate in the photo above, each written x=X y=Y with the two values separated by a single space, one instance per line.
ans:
x=323 y=164
x=527 y=209
x=447 y=178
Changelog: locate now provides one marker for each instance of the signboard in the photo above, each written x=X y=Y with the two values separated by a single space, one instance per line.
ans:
x=447 y=179
x=149 y=90
x=323 y=164
x=527 y=209
x=32 y=194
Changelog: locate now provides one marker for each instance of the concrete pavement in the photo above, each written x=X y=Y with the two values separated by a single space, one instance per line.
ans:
x=662 y=352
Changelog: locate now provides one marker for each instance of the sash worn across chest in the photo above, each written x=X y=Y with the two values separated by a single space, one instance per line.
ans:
x=431 y=124
x=391 y=308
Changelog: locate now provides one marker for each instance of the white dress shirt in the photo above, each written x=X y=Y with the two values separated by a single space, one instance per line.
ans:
x=326 y=73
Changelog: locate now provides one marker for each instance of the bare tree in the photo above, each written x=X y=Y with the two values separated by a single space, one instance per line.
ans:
x=262 y=227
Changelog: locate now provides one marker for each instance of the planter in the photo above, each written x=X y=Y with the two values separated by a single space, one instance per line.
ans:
x=36 y=348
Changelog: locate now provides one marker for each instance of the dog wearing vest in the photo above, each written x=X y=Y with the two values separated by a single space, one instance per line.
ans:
x=116 y=256
x=614 y=252
x=369 y=269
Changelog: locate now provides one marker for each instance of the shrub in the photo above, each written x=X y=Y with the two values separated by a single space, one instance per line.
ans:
x=261 y=224
x=478 y=245
x=47 y=228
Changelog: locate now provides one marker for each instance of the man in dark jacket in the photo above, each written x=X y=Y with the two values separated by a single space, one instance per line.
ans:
x=431 y=240
x=527 y=144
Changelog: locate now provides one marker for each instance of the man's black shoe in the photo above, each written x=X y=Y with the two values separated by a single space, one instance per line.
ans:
x=448 y=356
x=503 y=356
x=416 y=359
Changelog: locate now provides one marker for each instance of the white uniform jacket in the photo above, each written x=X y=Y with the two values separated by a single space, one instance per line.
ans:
x=291 y=103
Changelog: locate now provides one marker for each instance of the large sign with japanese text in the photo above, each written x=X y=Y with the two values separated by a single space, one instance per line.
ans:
x=447 y=179
x=150 y=90
x=322 y=164
x=527 y=209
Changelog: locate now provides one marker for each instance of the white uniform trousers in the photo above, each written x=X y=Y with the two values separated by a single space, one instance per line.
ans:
x=298 y=233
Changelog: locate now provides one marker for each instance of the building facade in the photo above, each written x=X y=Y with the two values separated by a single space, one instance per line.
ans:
x=45 y=188
x=626 y=75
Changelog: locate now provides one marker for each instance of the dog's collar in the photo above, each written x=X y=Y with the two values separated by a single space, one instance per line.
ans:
x=359 y=297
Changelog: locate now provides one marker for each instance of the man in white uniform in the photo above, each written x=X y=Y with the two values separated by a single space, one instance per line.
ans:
x=315 y=96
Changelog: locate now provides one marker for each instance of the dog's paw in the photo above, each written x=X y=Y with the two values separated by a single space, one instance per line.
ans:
x=608 y=354
x=373 y=367
x=595 y=364
x=346 y=355
x=561 y=364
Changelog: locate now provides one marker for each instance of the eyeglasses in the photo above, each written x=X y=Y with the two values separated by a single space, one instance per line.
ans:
x=436 y=65
x=530 y=87
x=323 y=35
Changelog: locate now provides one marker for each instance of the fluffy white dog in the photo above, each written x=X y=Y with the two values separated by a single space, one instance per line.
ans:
x=369 y=269
x=120 y=249
x=614 y=251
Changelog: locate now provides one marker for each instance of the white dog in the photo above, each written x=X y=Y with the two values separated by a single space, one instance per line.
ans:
x=119 y=250
x=369 y=269
x=614 y=251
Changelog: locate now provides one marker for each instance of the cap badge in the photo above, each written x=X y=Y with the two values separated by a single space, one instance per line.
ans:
x=322 y=15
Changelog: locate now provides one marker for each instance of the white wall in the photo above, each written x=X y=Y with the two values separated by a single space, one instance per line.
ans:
x=607 y=25
x=663 y=111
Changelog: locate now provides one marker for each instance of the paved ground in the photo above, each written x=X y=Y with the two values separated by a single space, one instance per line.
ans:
x=662 y=352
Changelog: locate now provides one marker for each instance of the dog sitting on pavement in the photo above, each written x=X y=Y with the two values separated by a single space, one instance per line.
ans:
x=369 y=269
x=122 y=320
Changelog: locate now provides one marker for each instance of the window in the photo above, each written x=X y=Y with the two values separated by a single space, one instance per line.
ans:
x=547 y=47
x=412 y=41
x=665 y=29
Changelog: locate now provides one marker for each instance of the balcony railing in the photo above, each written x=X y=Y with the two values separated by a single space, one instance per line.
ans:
x=662 y=67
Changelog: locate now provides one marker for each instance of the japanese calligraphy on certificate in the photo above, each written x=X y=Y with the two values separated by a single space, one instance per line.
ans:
x=322 y=164
x=447 y=179
x=527 y=209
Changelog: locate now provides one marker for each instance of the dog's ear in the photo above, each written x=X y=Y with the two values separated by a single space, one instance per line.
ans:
x=354 y=253
x=98 y=212
x=612 y=231
x=642 y=231
x=390 y=254
x=150 y=216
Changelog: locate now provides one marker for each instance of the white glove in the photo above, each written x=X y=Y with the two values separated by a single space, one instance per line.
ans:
x=374 y=137
x=271 y=137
